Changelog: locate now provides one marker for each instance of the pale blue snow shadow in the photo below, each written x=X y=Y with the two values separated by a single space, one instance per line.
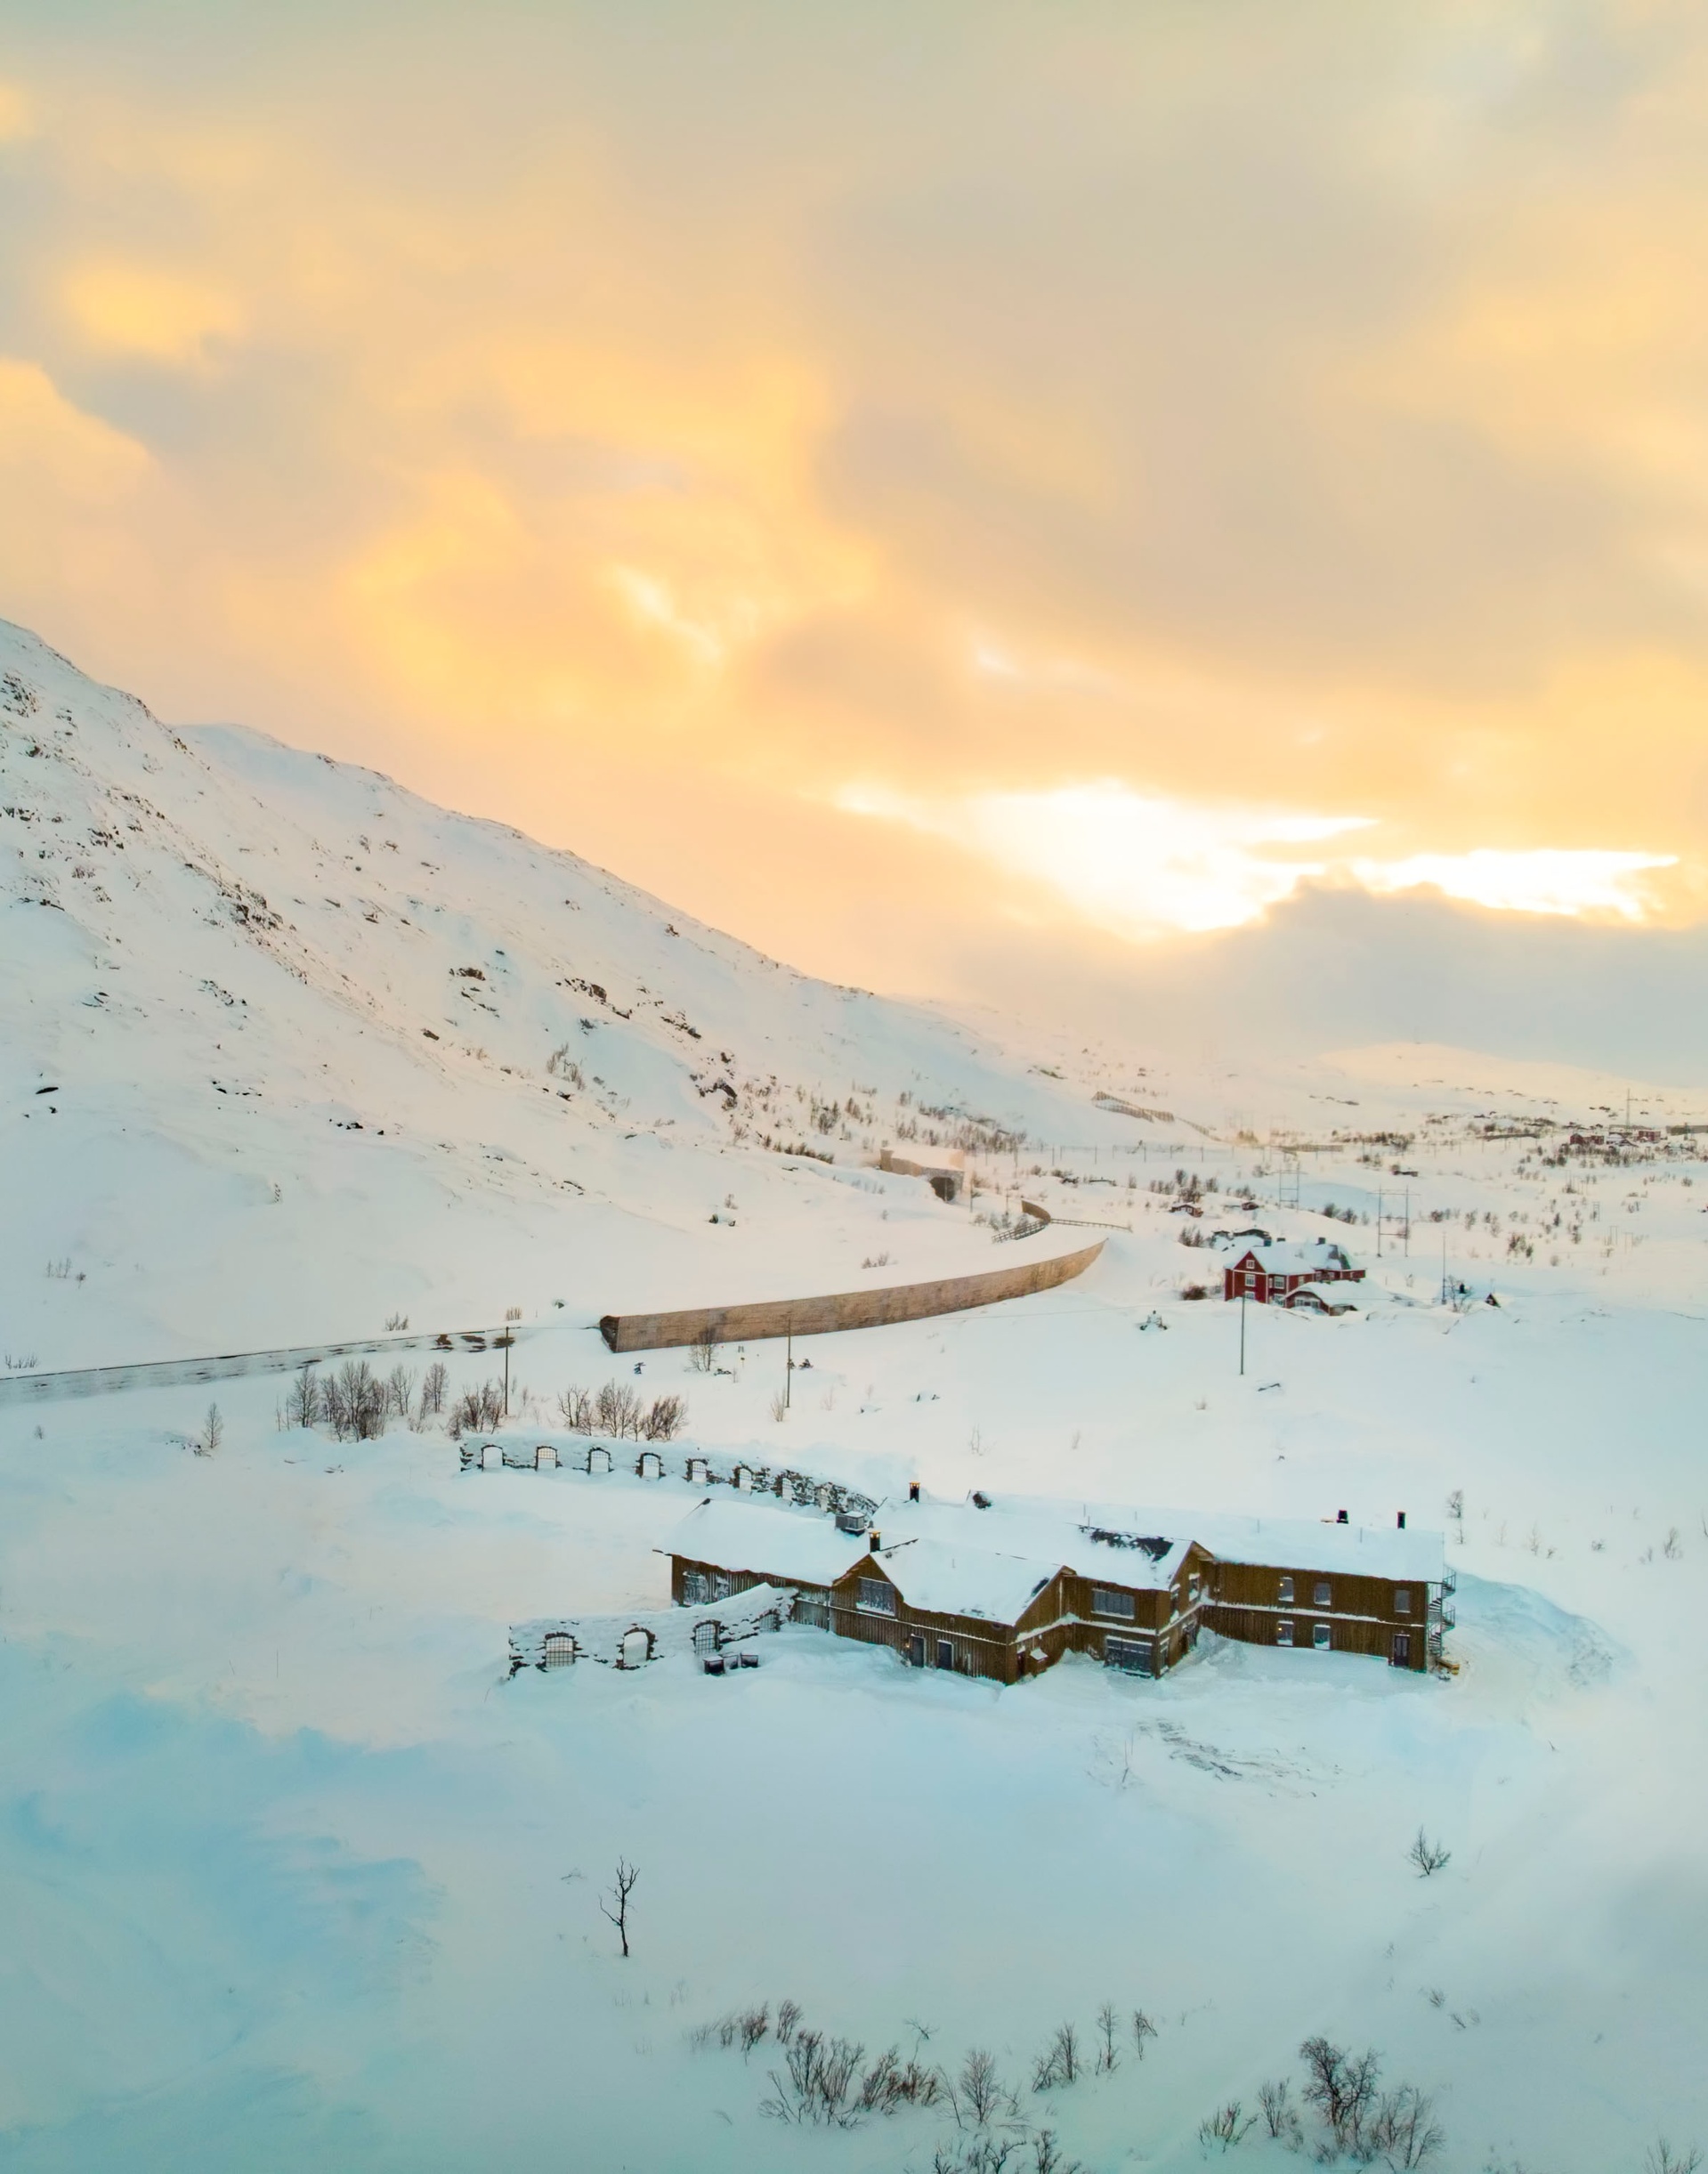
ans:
x=189 y=1933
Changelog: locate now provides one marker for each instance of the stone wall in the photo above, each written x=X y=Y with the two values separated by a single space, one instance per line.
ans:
x=842 y=1310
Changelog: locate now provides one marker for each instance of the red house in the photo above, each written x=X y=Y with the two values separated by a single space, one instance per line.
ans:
x=1271 y=1274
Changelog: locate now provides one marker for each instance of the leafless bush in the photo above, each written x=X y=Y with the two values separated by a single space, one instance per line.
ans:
x=1662 y=2159
x=1059 y=2062
x=1229 y=2125
x=1342 y=2088
x=477 y=1411
x=815 y=2085
x=616 y=1908
x=434 y=1383
x=979 y=2093
x=779 y=1408
x=575 y=1408
x=1279 y=2113
x=303 y=1406
x=397 y=1320
x=983 y=2155
x=213 y=1433
x=1047 y=2156
x=1107 y=2060
x=664 y=1419
x=1405 y=2129
x=890 y=2083
x=789 y=2015
x=1426 y=1856
x=399 y=1391
x=1143 y=2028
x=703 y=1352
x=353 y=1402
x=1193 y=1290
x=616 y=1410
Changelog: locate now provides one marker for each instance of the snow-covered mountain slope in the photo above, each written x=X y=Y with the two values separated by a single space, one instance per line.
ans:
x=262 y=986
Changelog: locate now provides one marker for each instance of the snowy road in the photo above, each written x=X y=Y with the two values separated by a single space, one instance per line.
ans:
x=50 y=1387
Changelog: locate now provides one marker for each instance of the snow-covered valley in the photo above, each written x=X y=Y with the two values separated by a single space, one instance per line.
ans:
x=294 y=1874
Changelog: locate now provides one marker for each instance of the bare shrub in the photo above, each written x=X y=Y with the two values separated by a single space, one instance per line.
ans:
x=1342 y=2088
x=703 y=1352
x=979 y=2092
x=433 y=1385
x=1426 y=1856
x=397 y=1320
x=1193 y=1290
x=355 y=1402
x=664 y=1419
x=303 y=1406
x=1229 y=2125
x=1405 y=2129
x=815 y=2085
x=1660 y=2158
x=1143 y=2028
x=575 y=1408
x=789 y=2015
x=477 y=1411
x=213 y=1433
x=1280 y=2116
x=1059 y=2062
x=616 y=1410
x=1107 y=2019
x=779 y=1408
x=1047 y=2156
x=399 y=1391
x=890 y=2083
x=616 y=1908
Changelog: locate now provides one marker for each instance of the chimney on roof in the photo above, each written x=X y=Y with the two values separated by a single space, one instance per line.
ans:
x=874 y=1540
x=1402 y=1520
x=1339 y=1517
x=913 y=1490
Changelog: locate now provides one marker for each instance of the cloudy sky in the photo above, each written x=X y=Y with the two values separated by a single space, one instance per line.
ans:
x=969 y=497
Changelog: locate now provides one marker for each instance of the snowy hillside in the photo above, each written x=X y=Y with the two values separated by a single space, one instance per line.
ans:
x=293 y=1872
x=268 y=989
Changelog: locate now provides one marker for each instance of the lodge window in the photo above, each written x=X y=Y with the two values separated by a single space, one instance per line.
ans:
x=721 y=1587
x=1323 y=1597
x=1321 y=1637
x=876 y=1597
x=696 y=1588
x=1104 y=1602
x=1402 y=1600
x=1195 y=1585
x=1284 y=1632
x=1286 y=1594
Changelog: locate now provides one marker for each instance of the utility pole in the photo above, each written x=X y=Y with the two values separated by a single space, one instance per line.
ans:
x=788 y=1363
x=1242 y=1325
x=1378 y=1222
x=512 y=1314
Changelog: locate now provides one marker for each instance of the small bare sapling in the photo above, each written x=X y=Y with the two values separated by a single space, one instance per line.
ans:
x=626 y=1877
x=213 y=1433
x=1427 y=1856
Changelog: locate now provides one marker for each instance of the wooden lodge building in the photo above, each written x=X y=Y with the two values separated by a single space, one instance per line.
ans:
x=1278 y=1275
x=1005 y=1591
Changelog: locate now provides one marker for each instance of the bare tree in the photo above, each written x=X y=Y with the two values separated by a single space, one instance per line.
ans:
x=1047 y=2156
x=627 y=1876
x=355 y=1401
x=303 y=1406
x=1059 y=2062
x=617 y=1410
x=1342 y=2088
x=1108 y=2021
x=1143 y=2028
x=1426 y=1856
x=213 y=1433
x=1405 y=2129
x=400 y=1390
x=1280 y=2117
x=576 y=1407
x=1229 y=2125
x=1662 y=2159
x=664 y=1419
x=703 y=1352
x=434 y=1383
x=979 y=2089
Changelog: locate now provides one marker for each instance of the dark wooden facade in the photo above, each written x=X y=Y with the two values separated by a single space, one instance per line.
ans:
x=1141 y=1629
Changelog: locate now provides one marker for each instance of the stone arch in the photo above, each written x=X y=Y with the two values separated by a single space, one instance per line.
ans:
x=651 y=1465
x=557 y=1650
x=634 y=1648
x=707 y=1637
x=698 y=1472
x=598 y=1459
x=785 y=1488
x=741 y=1479
x=491 y=1456
x=545 y=1457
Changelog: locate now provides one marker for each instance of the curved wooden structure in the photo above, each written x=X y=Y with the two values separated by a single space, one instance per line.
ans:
x=841 y=1309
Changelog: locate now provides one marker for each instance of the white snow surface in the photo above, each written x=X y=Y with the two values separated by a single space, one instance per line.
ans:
x=292 y=1873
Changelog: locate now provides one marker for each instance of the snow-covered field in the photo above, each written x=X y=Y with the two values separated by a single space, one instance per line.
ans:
x=293 y=1875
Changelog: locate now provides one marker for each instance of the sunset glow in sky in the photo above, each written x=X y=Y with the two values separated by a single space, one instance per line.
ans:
x=873 y=474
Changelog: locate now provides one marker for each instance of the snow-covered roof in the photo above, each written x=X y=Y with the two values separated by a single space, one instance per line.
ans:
x=1042 y=1532
x=957 y=1577
x=1331 y=1294
x=801 y=1547
x=1298 y=1256
x=1064 y=1533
